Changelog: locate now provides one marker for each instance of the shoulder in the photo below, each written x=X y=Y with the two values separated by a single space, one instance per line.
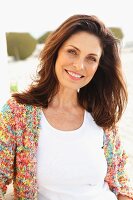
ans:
x=14 y=112
x=12 y=106
x=111 y=135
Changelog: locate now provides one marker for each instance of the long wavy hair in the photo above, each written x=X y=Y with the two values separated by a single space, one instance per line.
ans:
x=105 y=96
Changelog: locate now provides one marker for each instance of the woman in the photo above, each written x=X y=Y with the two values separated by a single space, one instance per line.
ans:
x=59 y=139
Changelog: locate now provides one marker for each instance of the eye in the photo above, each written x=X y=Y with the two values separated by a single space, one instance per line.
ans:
x=92 y=59
x=72 y=51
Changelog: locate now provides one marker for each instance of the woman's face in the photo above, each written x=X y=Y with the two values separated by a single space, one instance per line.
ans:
x=77 y=60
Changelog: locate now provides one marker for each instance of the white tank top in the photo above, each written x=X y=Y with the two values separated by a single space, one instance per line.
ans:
x=71 y=164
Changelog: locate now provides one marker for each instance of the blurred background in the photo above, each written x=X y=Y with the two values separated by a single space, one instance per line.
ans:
x=25 y=26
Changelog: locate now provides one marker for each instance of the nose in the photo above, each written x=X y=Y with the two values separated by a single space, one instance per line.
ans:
x=79 y=65
x=82 y=66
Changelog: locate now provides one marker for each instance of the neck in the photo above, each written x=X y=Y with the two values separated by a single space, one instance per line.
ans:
x=65 y=99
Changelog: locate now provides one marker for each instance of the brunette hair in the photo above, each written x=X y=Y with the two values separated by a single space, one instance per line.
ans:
x=105 y=96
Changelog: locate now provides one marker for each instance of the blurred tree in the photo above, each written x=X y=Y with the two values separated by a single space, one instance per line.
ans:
x=43 y=38
x=20 y=45
x=117 y=32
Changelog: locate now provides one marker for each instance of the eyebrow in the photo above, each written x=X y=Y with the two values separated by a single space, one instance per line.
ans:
x=90 y=54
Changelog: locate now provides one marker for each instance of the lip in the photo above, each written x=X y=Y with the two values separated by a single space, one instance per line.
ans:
x=74 y=72
x=72 y=77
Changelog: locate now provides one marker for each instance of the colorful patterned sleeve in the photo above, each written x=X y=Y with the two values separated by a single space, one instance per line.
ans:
x=117 y=175
x=7 y=147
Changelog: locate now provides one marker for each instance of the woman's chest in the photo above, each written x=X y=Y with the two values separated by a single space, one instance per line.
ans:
x=65 y=121
x=71 y=160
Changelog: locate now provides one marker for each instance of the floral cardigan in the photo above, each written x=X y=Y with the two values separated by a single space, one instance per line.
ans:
x=19 y=132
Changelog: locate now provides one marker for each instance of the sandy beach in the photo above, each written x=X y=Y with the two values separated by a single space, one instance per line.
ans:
x=126 y=123
x=22 y=71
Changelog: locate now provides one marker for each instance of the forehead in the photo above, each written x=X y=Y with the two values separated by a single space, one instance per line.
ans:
x=84 y=41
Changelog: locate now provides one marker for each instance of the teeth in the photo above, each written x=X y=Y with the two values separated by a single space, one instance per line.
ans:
x=73 y=74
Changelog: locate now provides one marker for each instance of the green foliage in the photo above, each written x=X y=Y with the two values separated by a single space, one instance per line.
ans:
x=43 y=38
x=13 y=87
x=20 y=45
x=117 y=32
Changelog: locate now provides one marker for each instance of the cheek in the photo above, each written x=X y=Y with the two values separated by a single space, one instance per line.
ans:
x=90 y=74
x=92 y=70
x=61 y=62
x=65 y=59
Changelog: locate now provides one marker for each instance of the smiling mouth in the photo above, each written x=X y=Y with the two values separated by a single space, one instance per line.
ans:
x=74 y=75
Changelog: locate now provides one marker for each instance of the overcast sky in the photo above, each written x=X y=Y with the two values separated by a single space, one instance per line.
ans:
x=38 y=16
